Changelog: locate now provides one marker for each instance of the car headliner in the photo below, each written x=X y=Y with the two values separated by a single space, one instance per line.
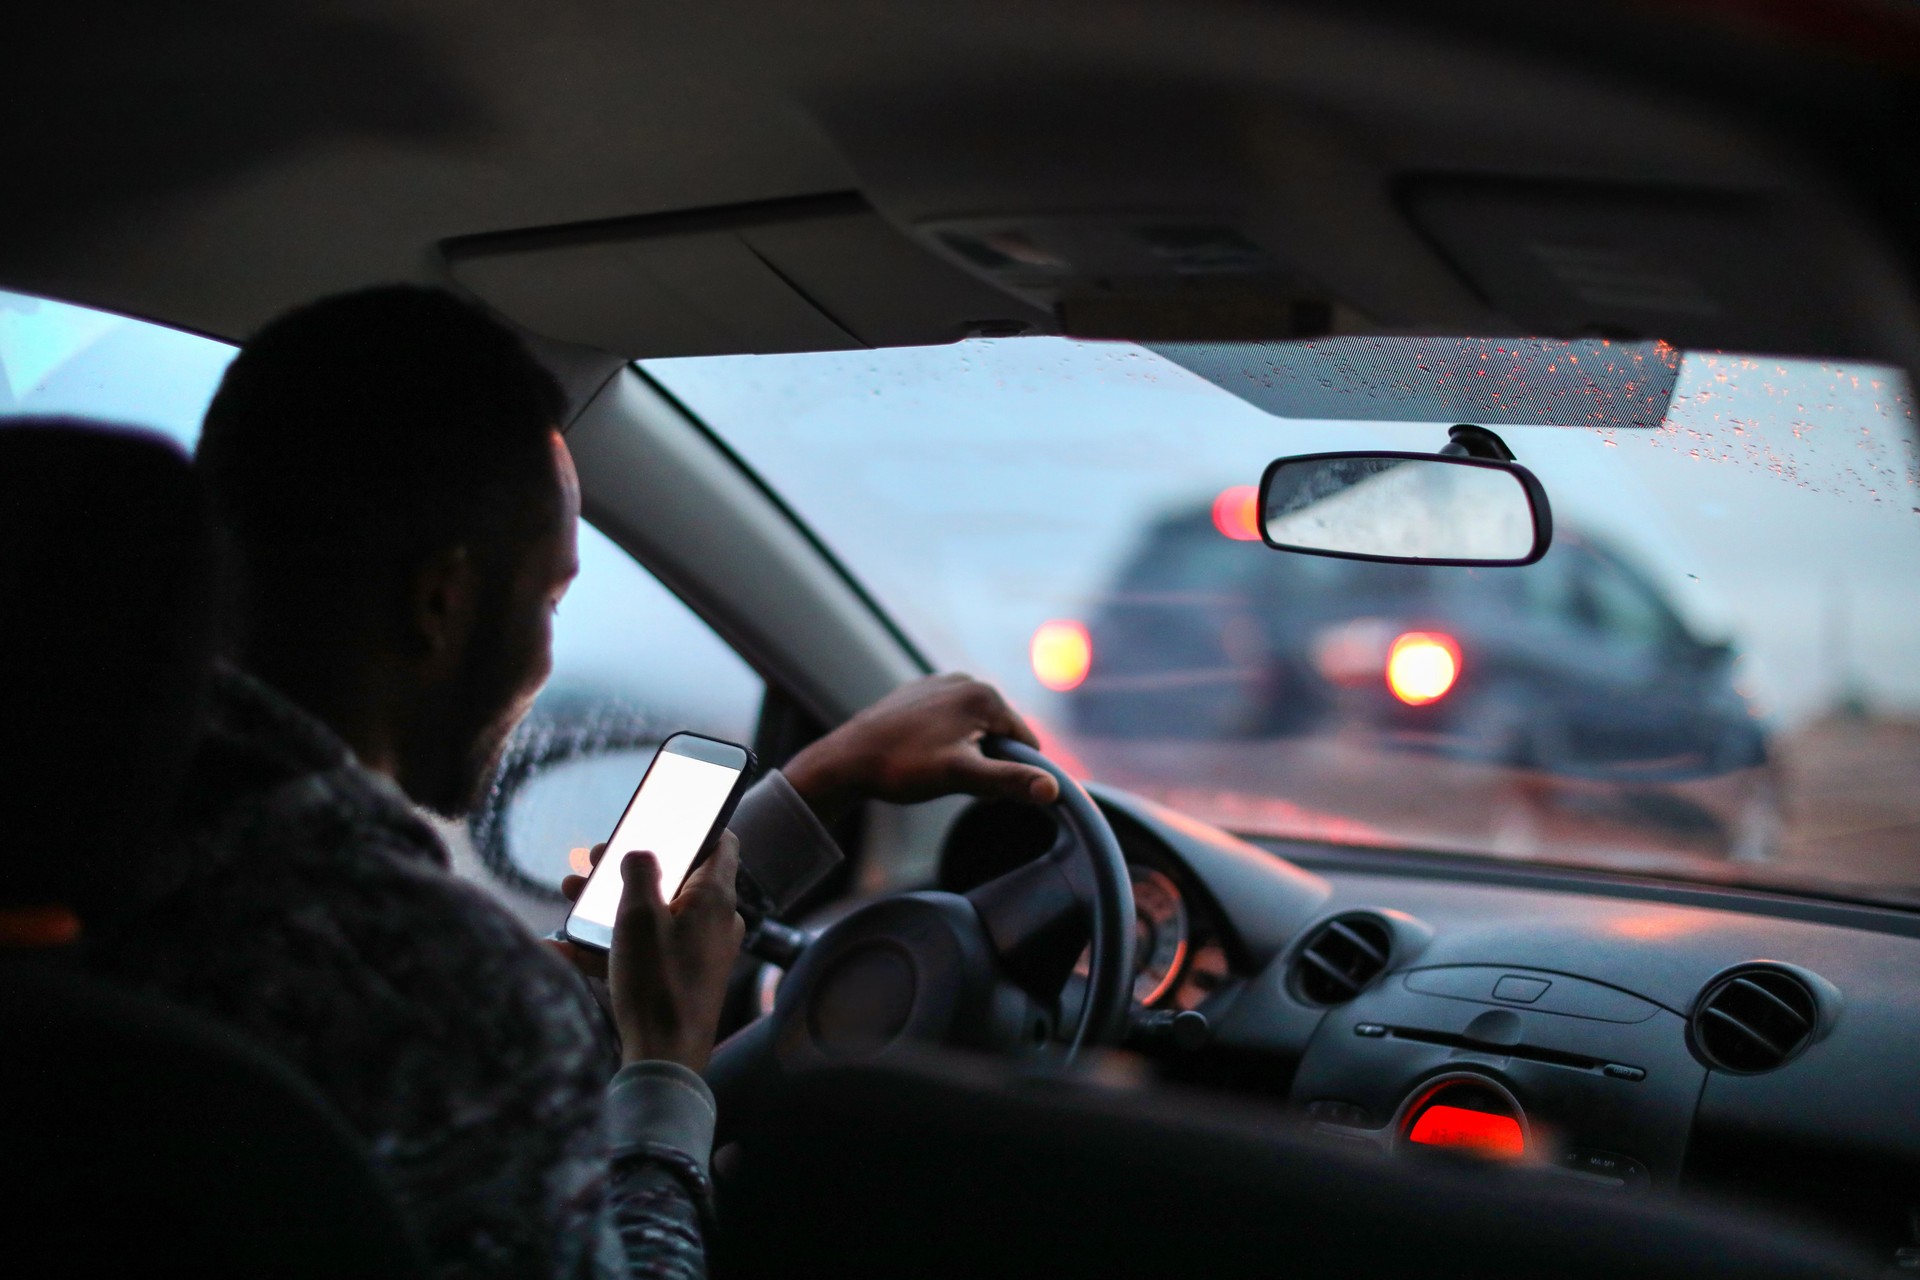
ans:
x=209 y=166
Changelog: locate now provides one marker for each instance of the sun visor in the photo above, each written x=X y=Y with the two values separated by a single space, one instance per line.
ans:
x=819 y=273
x=1492 y=382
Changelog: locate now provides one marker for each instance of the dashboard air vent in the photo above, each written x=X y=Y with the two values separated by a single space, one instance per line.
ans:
x=1754 y=1020
x=1341 y=959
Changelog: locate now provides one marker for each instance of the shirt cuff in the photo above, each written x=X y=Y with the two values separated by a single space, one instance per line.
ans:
x=661 y=1104
x=783 y=844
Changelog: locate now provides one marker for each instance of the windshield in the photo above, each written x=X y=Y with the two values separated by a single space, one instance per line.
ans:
x=1711 y=672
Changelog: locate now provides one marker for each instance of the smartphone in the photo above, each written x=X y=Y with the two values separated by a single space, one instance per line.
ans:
x=681 y=804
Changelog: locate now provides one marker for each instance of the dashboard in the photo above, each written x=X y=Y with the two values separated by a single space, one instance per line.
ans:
x=1631 y=1036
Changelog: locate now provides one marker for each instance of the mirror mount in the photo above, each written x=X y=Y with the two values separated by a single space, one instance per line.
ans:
x=1465 y=440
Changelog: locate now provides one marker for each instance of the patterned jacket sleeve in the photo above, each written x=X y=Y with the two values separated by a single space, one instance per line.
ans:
x=659 y=1202
x=660 y=1119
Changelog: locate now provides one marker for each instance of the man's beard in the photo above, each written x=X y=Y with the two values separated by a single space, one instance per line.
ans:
x=478 y=718
x=467 y=785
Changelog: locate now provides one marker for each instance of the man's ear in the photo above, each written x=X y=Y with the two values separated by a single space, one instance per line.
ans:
x=443 y=604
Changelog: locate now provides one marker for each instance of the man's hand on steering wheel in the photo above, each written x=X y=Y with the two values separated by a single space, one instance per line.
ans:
x=919 y=742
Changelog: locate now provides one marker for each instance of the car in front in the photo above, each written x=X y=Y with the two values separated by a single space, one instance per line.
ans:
x=1574 y=668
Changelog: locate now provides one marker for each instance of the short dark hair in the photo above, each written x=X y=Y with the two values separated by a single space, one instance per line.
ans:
x=108 y=604
x=355 y=436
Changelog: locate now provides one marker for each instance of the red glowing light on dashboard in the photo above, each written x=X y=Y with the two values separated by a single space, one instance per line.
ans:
x=1236 y=513
x=1422 y=666
x=1477 y=1131
x=31 y=927
x=1061 y=653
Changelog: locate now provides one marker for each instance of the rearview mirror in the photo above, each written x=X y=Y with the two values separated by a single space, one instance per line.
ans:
x=1410 y=508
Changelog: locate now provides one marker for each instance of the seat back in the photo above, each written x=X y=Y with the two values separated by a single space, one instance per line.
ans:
x=107 y=618
x=138 y=1138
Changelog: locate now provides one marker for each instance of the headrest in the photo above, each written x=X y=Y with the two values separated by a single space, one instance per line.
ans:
x=106 y=641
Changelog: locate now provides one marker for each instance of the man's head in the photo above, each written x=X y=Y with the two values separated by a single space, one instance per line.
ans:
x=400 y=512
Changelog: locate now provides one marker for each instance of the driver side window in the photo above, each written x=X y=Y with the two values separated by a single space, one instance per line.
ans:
x=632 y=664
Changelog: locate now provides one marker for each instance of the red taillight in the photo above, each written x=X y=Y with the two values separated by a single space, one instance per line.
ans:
x=1422 y=666
x=1062 y=653
x=1236 y=513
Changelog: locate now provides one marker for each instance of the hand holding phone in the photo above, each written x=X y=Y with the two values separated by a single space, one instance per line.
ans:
x=681 y=804
x=667 y=972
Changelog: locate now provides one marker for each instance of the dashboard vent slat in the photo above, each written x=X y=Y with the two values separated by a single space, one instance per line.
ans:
x=1378 y=956
x=1341 y=958
x=1332 y=973
x=1787 y=1011
x=1726 y=1019
x=1754 y=1020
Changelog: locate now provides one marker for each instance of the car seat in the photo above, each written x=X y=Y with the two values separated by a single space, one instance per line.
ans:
x=141 y=1139
x=138 y=1137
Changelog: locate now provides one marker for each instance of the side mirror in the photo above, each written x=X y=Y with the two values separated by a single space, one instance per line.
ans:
x=1407 y=508
x=559 y=789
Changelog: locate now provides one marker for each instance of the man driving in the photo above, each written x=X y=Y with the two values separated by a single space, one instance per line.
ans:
x=399 y=510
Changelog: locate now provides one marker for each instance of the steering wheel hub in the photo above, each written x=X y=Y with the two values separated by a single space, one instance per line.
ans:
x=981 y=971
x=862 y=1004
x=916 y=967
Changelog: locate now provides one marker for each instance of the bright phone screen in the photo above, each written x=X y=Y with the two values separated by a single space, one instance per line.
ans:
x=669 y=818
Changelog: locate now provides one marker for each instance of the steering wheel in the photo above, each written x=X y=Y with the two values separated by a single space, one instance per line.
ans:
x=982 y=970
